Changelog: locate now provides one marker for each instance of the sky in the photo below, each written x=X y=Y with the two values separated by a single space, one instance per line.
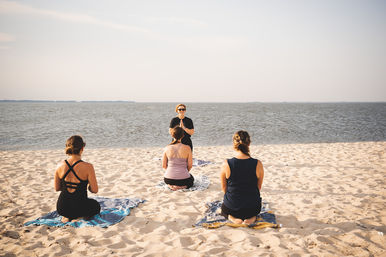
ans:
x=193 y=51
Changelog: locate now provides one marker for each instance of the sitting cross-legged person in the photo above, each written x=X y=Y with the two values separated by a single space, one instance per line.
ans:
x=71 y=178
x=241 y=181
x=177 y=162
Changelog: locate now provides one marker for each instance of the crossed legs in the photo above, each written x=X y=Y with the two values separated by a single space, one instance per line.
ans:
x=174 y=187
x=176 y=184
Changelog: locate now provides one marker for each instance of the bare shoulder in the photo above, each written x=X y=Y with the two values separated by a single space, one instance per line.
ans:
x=259 y=169
x=87 y=165
x=61 y=167
x=167 y=149
x=186 y=148
x=61 y=164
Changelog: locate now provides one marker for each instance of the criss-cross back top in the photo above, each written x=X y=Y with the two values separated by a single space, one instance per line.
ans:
x=80 y=187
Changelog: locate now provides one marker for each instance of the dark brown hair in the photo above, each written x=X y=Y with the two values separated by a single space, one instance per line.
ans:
x=177 y=133
x=241 y=141
x=74 y=144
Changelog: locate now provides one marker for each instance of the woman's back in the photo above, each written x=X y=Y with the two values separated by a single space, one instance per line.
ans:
x=177 y=155
x=179 y=150
x=81 y=169
x=74 y=178
x=242 y=190
x=71 y=178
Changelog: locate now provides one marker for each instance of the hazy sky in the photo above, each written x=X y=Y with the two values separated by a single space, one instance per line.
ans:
x=193 y=51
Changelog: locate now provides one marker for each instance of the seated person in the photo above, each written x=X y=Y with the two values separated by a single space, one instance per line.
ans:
x=71 y=178
x=241 y=180
x=177 y=161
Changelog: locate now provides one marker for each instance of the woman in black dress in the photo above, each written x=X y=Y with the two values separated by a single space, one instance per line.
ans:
x=241 y=181
x=185 y=123
x=71 y=178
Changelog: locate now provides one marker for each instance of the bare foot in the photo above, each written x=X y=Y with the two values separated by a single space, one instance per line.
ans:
x=174 y=187
x=65 y=220
x=235 y=220
x=250 y=220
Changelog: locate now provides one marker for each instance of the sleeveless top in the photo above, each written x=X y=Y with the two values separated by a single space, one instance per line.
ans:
x=80 y=187
x=177 y=167
x=242 y=191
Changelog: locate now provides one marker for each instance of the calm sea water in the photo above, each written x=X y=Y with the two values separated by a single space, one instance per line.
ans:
x=46 y=125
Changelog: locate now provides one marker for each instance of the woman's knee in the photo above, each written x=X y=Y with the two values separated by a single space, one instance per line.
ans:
x=91 y=208
x=190 y=182
x=96 y=206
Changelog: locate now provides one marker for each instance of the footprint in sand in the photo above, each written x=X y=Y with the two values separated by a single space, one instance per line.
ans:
x=186 y=241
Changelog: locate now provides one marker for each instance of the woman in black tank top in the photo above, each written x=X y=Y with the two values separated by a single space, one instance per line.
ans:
x=185 y=123
x=241 y=181
x=72 y=178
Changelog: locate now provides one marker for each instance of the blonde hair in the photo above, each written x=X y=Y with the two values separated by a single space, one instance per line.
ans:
x=178 y=105
x=74 y=144
x=241 y=142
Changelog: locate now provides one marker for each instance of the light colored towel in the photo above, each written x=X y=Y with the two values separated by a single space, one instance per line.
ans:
x=113 y=210
x=196 y=162
x=200 y=183
x=200 y=163
x=213 y=218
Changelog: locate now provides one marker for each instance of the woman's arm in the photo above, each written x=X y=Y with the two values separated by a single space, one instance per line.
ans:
x=190 y=159
x=173 y=123
x=57 y=180
x=93 y=184
x=164 y=160
x=259 y=174
x=225 y=173
x=189 y=131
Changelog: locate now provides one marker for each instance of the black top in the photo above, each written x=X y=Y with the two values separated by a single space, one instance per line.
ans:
x=242 y=190
x=188 y=123
x=80 y=188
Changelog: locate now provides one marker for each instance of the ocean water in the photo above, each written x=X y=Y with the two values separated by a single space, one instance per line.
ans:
x=47 y=125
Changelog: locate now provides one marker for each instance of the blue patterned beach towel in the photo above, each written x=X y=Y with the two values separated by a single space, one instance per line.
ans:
x=113 y=210
x=200 y=183
x=213 y=218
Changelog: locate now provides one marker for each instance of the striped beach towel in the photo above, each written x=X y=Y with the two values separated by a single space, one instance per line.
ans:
x=113 y=210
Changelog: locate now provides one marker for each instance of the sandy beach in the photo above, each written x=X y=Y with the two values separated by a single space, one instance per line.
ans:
x=329 y=198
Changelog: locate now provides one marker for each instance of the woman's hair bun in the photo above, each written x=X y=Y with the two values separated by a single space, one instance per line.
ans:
x=74 y=145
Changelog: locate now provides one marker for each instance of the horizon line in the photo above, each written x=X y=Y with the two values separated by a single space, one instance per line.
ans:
x=131 y=101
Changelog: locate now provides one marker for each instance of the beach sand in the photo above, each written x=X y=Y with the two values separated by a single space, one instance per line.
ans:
x=329 y=198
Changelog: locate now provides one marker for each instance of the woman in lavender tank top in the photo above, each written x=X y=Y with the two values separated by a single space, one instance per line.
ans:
x=177 y=161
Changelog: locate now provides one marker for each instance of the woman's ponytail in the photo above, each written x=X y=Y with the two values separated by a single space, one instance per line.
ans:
x=241 y=142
